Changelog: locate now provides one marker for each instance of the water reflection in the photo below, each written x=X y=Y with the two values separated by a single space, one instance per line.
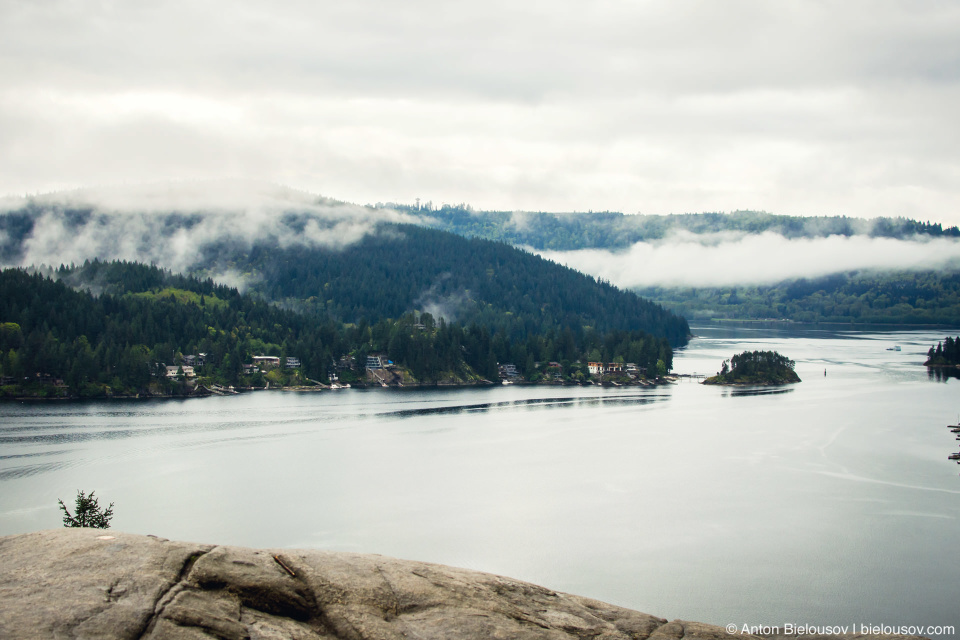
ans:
x=529 y=403
x=55 y=452
x=738 y=392
x=942 y=374
x=77 y=433
x=612 y=493
x=33 y=469
x=57 y=438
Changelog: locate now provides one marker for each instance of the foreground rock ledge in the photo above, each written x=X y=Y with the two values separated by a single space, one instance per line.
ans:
x=89 y=583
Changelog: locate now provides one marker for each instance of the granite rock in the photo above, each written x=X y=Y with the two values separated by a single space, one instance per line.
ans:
x=89 y=583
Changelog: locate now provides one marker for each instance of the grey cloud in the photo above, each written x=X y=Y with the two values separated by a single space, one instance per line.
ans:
x=794 y=107
x=494 y=48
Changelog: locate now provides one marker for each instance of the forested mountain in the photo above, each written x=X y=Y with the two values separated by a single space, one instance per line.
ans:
x=926 y=297
x=120 y=340
x=613 y=230
x=345 y=263
x=57 y=340
x=344 y=267
x=405 y=267
x=915 y=297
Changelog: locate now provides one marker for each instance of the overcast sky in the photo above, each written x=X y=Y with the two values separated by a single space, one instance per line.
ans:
x=811 y=108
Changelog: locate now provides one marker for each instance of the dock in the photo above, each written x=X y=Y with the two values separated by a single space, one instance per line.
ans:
x=219 y=390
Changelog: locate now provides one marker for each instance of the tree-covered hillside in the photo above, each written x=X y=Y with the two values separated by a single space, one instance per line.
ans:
x=58 y=340
x=613 y=230
x=917 y=297
x=404 y=267
x=144 y=318
x=344 y=266
x=346 y=263
x=854 y=297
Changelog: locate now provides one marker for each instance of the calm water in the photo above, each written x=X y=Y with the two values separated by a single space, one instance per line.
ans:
x=829 y=502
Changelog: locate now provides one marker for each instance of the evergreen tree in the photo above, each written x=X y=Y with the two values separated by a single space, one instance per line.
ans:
x=87 y=513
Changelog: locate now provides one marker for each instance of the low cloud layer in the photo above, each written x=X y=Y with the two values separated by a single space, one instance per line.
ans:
x=136 y=223
x=686 y=260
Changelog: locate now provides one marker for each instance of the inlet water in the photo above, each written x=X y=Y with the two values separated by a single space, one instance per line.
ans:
x=829 y=502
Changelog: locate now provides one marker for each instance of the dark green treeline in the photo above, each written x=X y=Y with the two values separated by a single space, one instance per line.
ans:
x=113 y=336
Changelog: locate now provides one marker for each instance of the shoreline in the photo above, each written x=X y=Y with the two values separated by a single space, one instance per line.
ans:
x=669 y=379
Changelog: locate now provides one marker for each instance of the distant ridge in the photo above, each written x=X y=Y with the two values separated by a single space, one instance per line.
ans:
x=265 y=238
x=343 y=261
x=614 y=230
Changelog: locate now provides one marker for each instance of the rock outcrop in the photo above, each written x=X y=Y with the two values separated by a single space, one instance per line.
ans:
x=89 y=583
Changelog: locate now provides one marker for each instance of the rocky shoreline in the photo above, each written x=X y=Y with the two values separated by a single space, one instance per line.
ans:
x=92 y=583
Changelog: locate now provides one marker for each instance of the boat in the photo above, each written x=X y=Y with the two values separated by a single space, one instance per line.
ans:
x=895 y=348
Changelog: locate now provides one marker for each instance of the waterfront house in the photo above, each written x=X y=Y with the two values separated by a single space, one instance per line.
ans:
x=267 y=362
x=187 y=371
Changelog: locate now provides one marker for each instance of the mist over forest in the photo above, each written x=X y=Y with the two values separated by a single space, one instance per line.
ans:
x=325 y=282
x=690 y=262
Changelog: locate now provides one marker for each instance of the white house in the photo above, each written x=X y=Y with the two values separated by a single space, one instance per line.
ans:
x=187 y=371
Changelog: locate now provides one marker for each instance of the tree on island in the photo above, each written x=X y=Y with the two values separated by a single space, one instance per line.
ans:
x=88 y=513
x=945 y=354
x=756 y=367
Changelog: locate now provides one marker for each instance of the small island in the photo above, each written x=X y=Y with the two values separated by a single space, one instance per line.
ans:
x=756 y=367
x=945 y=354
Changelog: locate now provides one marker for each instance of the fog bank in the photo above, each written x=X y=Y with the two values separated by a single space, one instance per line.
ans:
x=171 y=224
x=688 y=260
